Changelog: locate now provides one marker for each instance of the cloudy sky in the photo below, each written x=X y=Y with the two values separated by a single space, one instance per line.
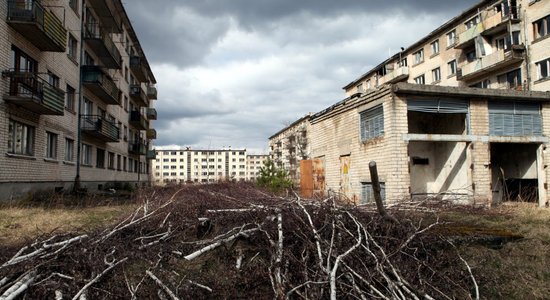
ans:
x=234 y=72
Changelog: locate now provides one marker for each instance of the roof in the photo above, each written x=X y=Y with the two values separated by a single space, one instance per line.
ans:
x=306 y=117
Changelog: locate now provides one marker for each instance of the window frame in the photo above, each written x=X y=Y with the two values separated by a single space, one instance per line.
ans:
x=418 y=56
x=451 y=38
x=436 y=75
x=421 y=79
x=69 y=150
x=51 y=145
x=434 y=46
x=373 y=119
x=540 y=64
x=27 y=137
x=452 y=67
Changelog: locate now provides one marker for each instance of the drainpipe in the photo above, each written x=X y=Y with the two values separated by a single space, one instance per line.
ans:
x=76 y=186
x=527 y=49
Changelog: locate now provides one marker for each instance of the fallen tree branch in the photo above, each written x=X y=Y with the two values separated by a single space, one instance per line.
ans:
x=162 y=285
x=219 y=243
x=87 y=285
x=19 y=287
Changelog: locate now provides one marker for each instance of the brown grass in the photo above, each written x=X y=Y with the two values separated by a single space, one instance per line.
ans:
x=18 y=225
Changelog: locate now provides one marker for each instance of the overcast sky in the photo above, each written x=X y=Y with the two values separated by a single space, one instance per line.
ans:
x=234 y=72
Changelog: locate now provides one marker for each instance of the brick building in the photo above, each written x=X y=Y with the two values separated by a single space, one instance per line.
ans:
x=447 y=115
x=70 y=65
x=203 y=166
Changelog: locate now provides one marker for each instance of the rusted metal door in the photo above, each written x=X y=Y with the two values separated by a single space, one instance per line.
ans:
x=306 y=178
x=318 y=167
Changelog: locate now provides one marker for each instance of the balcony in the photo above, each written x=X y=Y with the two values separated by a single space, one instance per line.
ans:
x=496 y=22
x=151 y=134
x=137 y=65
x=138 y=95
x=38 y=25
x=152 y=92
x=106 y=17
x=100 y=84
x=101 y=43
x=491 y=62
x=100 y=128
x=33 y=93
x=137 y=120
x=151 y=154
x=467 y=37
x=137 y=147
x=396 y=75
x=151 y=114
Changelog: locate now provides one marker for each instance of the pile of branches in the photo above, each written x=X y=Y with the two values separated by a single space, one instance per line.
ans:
x=232 y=240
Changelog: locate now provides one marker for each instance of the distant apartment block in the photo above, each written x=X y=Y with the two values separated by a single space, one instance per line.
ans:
x=203 y=166
x=462 y=114
x=76 y=97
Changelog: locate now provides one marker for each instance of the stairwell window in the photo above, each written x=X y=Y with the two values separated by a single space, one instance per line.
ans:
x=543 y=69
x=20 y=138
x=51 y=145
x=372 y=123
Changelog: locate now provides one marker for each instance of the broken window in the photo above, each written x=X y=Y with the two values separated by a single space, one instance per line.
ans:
x=437 y=116
x=367 y=192
x=515 y=119
x=372 y=123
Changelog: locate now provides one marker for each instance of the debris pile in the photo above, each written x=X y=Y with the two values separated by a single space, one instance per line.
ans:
x=232 y=240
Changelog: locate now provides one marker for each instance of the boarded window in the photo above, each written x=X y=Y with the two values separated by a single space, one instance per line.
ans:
x=372 y=123
x=367 y=193
x=515 y=119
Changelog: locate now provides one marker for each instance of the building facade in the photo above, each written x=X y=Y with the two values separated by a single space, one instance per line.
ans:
x=77 y=95
x=204 y=166
x=291 y=145
x=497 y=44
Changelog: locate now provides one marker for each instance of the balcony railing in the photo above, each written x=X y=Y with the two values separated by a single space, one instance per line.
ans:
x=100 y=128
x=106 y=16
x=137 y=65
x=38 y=25
x=396 y=75
x=491 y=62
x=152 y=92
x=102 y=44
x=467 y=37
x=138 y=95
x=495 y=22
x=138 y=120
x=151 y=154
x=137 y=147
x=151 y=114
x=151 y=134
x=101 y=84
x=33 y=93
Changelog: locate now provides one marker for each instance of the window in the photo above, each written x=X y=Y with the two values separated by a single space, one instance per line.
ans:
x=510 y=80
x=125 y=103
x=70 y=96
x=119 y=162
x=111 y=161
x=20 y=61
x=436 y=75
x=435 y=47
x=20 y=138
x=372 y=123
x=53 y=79
x=515 y=119
x=367 y=192
x=403 y=62
x=484 y=84
x=88 y=107
x=541 y=27
x=51 y=145
x=126 y=74
x=543 y=68
x=100 y=158
x=471 y=55
x=420 y=79
x=360 y=88
x=452 y=67
x=86 y=154
x=451 y=38
x=472 y=22
x=69 y=150
x=72 y=48
x=419 y=56
x=124 y=164
x=88 y=60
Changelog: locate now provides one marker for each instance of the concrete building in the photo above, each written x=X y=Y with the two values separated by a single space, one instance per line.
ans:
x=461 y=113
x=290 y=145
x=468 y=145
x=253 y=164
x=76 y=93
x=203 y=166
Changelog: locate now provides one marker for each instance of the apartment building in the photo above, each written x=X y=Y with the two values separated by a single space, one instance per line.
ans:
x=497 y=44
x=461 y=114
x=77 y=95
x=290 y=145
x=203 y=166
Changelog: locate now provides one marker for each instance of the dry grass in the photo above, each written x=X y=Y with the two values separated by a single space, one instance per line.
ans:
x=18 y=225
